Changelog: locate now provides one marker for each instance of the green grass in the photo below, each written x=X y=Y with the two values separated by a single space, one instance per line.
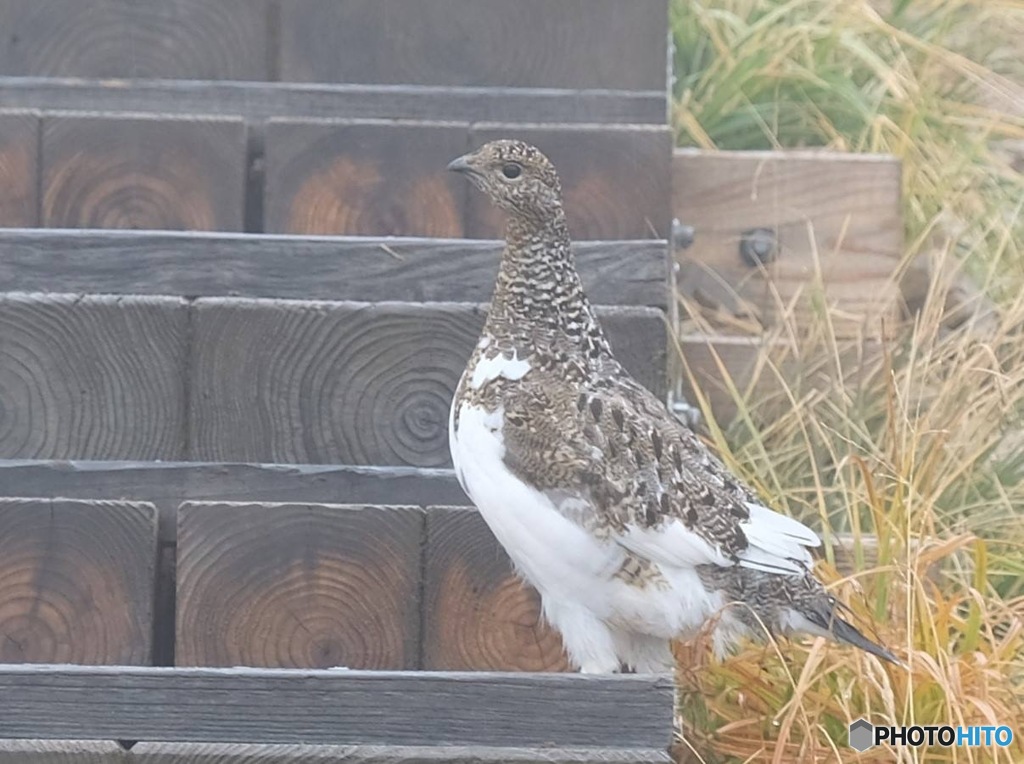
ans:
x=923 y=446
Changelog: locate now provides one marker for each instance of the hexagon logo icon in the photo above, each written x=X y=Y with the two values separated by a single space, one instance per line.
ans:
x=862 y=735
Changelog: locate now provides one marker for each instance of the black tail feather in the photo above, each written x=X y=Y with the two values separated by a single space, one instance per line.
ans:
x=845 y=632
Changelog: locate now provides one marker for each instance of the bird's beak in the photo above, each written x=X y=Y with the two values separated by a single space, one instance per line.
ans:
x=461 y=164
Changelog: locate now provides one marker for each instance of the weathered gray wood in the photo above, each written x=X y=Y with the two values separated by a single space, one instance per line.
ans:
x=528 y=43
x=363 y=177
x=337 y=707
x=92 y=377
x=352 y=383
x=118 y=171
x=19 y=168
x=219 y=753
x=76 y=581
x=62 y=752
x=163 y=39
x=298 y=585
x=318 y=268
x=168 y=484
x=256 y=101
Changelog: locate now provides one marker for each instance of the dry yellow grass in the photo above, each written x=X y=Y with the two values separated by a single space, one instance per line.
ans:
x=921 y=442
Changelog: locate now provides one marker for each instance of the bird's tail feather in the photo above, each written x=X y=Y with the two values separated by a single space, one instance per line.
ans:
x=846 y=633
x=825 y=617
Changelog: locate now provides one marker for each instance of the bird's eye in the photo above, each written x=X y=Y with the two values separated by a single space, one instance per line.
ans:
x=511 y=170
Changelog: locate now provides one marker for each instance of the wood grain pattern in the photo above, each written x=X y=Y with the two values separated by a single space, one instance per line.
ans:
x=143 y=172
x=616 y=180
x=298 y=585
x=838 y=214
x=91 y=377
x=168 y=484
x=319 y=268
x=478 y=615
x=365 y=178
x=338 y=707
x=767 y=372
x=156 y=39
x=258 y=101
x=218 y=753
x=76 y=581
x=607 y=44
x=19 y=168
x=61 y=752
x=351 y=383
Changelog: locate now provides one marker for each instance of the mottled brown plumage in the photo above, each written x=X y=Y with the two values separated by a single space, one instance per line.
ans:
x=589 y=445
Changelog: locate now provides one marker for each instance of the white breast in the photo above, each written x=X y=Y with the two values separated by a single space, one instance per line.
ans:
x=565 y=562
x=553 y=553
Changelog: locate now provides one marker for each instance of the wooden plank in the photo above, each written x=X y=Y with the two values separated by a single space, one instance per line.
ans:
x=338 y=707
x=368 y=178
x=616 y=180
x=157 y=39
x=298 y=585
x=218 y=753
x=92 y=377
x=767 y=373
x=478 y=615
x=834 y=214
x=319 y=268
x=19 y=168
x=61 y=752
x=76 y=581
x=257 y=101
x=614 y=44
x=143 y=172
x=168 y=484
x=351 y=383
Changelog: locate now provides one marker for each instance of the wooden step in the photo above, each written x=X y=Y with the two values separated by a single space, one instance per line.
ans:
x=615 y=44
x=258 y=101
x=379 y=178
x=369 y=177
x=369 y=269
x=631 y=715
x=251 y=380
x=102 y=752
x=166 y=485
x=288 y=584
x=77 y=581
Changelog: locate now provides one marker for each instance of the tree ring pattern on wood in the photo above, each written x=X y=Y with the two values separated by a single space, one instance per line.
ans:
x=19 y=159
x=170 y=39
x=143 y=173
x=298 y=586
x=76 y=581
x=91 y=377
x=346 y=383
x=479 y=616
x=365 y=178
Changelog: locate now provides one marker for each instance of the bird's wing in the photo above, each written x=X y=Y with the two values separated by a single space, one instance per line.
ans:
x=647 y=481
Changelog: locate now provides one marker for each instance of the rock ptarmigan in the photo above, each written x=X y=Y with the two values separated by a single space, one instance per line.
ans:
x=633 y=532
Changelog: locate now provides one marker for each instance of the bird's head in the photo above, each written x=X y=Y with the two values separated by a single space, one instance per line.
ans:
x=515 y=176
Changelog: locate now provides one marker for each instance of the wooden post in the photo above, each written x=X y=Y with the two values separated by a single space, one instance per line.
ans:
x=298 y=585
x=143 y=172
x=169 y=39
x=76 y=581
x=19 y=169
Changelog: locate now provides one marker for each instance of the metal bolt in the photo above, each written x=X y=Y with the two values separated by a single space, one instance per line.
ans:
x=682 y=235
x=758 y=246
